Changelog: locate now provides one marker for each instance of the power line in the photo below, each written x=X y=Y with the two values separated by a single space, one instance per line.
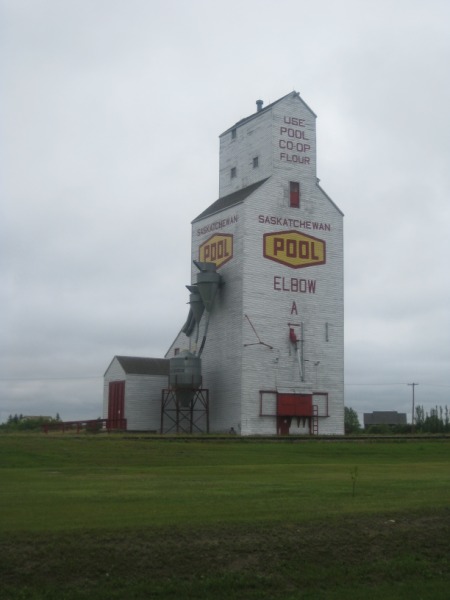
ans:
x=353 y=384
x=91 y=377
x=445 y=385
x=83 y=378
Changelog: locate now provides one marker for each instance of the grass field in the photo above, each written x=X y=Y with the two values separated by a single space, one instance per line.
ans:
x=133 y=517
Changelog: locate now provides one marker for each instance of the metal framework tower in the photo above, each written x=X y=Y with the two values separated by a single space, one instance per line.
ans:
x=176 y=417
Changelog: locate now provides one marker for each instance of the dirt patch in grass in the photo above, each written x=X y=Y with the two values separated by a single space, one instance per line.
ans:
x=282 y=558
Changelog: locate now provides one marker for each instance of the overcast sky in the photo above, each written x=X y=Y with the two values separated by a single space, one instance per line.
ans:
x=111 y=111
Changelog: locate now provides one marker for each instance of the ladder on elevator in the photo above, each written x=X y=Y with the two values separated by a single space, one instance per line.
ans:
x=315 y=420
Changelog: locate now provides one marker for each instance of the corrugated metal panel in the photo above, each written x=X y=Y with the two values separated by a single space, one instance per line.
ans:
x=294 y=405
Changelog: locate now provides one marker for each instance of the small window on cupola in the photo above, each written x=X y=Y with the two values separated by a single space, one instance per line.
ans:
x=256 y=162
x=294 y=194
x=233 y=172
x=233 y=133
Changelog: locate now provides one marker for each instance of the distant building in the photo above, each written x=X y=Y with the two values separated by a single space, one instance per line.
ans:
x=384 y=417
x=36 y=418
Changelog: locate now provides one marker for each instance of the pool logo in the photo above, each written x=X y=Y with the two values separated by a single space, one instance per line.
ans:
x=294 y=249
x=217 y=249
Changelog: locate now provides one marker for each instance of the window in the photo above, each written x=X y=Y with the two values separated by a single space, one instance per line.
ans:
x=233 y=172
x=233 y=134
x=256 y=162
x=294 y=194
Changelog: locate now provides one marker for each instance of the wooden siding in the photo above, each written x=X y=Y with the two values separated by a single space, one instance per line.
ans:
x=222 y=355
x=143 y=401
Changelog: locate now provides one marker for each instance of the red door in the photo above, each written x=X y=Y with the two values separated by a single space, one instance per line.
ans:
x=283 y=425
x=116 y=405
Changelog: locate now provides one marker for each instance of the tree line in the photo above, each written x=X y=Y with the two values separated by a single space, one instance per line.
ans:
x=24 y=423
x=435 y=421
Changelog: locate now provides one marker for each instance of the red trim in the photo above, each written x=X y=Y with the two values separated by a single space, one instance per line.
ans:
x=294 y=194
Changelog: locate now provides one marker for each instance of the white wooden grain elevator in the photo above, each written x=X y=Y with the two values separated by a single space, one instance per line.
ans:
x=271 y=338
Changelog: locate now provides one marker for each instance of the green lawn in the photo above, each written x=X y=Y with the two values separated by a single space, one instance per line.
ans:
x=129 y=517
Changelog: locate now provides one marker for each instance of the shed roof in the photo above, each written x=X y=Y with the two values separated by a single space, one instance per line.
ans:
x=136 y=365
x=228 y=201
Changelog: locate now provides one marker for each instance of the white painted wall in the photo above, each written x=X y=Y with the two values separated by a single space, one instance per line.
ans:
x=143 y=401
x=253 y=139
x=222 y=354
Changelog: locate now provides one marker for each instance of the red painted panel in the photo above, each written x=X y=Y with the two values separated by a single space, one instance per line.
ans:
x=294 y=405
x=294 y=191
x=116 y=404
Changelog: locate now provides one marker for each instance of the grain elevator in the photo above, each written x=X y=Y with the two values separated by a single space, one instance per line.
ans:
x=266 y=307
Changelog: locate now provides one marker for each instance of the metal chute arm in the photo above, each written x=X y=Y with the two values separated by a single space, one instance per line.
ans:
x=188 y=327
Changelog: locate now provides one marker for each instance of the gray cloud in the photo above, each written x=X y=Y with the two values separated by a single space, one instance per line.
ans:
x=111 y=116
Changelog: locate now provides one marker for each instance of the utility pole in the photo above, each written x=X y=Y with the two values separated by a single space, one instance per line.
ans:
x=413 y=385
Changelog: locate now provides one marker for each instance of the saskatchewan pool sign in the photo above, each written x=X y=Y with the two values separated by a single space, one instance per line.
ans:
x=217 y=249
x=294 y=249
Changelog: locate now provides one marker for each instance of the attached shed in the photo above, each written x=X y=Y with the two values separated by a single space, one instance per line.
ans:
x=132 y=392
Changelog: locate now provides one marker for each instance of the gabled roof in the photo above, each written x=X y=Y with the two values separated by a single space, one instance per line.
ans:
x=329 y=199
x=230 y=200
x=266 y=108
x=135 y=365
